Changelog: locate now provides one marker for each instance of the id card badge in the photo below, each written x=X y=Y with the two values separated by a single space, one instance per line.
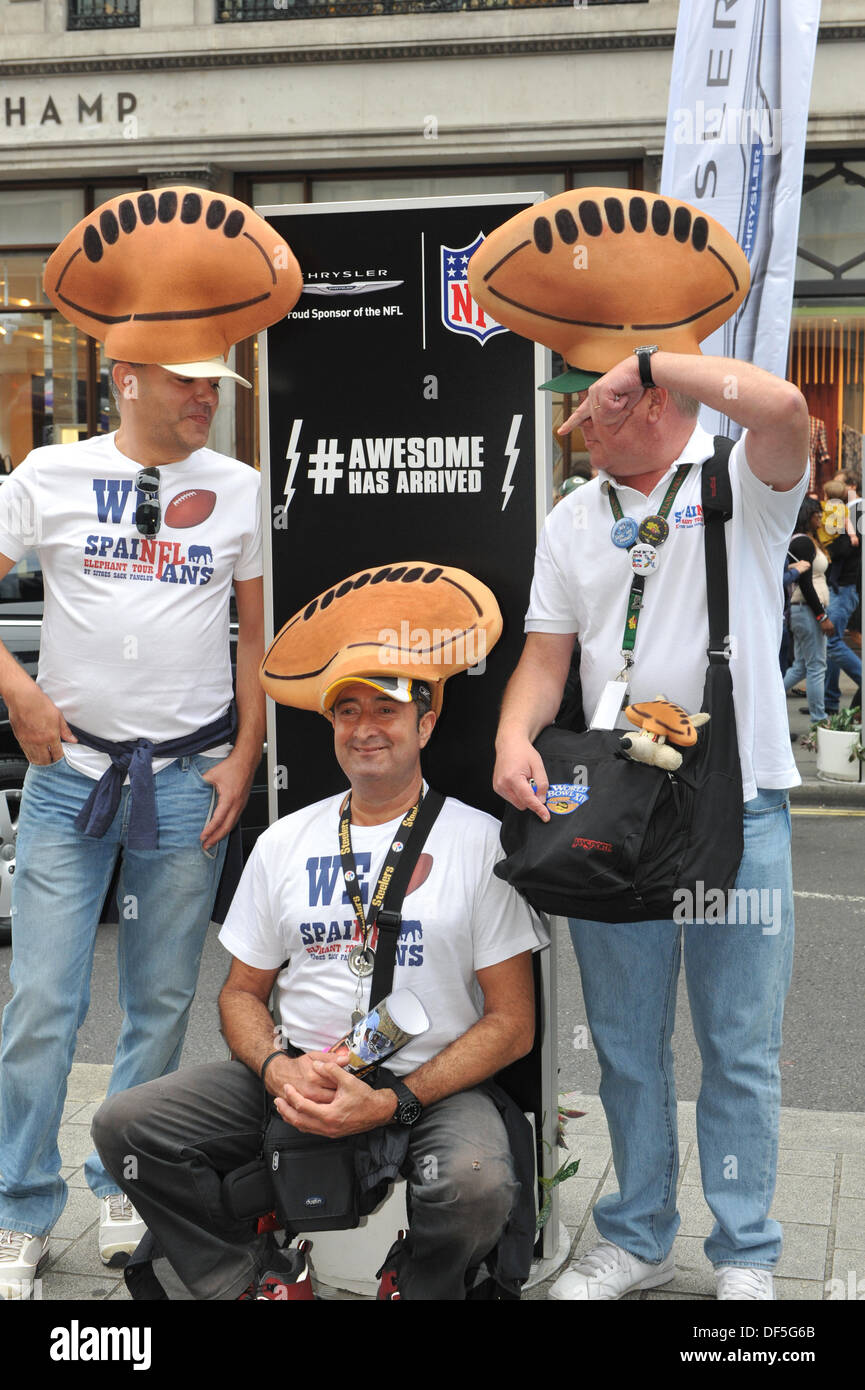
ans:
x=614 y=697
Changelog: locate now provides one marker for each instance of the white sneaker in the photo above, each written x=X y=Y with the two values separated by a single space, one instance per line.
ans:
x=120 y=1229
x=609 y=1272
x=21 y=1258
x=736 y=1282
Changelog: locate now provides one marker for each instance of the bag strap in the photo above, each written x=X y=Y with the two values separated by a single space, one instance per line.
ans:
x=389 y=917
x=717 y=503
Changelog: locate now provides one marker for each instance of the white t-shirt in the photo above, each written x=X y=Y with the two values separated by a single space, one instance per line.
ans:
x=135 y=634
x=582 y=580
x=457 y=918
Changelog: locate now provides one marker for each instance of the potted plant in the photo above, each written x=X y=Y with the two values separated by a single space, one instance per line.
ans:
x=839 y=750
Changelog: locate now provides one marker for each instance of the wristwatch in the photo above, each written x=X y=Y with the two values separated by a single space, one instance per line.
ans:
x=643 y=356
x=408 y=1107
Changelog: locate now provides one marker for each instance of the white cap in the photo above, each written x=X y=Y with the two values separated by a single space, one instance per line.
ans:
x=404 y=689
x=213 y=367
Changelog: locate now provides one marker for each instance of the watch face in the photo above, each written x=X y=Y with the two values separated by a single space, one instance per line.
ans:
x=408 y=1111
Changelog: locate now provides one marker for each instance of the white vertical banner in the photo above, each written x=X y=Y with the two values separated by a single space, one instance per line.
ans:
x=735 y=147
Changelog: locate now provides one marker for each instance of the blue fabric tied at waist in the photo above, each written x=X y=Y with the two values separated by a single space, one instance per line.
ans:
x=134 y=758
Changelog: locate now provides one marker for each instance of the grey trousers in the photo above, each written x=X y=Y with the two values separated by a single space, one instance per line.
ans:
x=169 y=1143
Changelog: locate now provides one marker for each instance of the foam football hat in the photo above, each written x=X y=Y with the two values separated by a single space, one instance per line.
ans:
x=596 y=272
x=174 y=276
x=415 y=621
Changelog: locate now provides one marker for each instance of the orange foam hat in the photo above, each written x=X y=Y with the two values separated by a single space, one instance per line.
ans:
x=414 y=619
x=596 y=272
x=172 y=275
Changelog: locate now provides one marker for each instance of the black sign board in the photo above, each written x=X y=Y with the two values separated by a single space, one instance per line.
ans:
x=399 y=423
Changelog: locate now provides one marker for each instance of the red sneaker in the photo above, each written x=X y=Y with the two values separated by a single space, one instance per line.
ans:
x=289 y=1284
x=388 y=1286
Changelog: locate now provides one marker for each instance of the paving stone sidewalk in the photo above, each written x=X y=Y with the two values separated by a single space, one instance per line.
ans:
x=820 y=1194
x=820 y=1198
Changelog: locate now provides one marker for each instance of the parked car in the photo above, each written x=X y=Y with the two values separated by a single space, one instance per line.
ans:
x=21 y=596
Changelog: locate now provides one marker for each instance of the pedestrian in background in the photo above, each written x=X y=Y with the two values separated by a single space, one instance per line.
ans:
x=809 y=619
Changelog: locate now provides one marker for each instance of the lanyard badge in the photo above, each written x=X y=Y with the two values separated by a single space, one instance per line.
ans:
x=361 y=958
x=642 y=544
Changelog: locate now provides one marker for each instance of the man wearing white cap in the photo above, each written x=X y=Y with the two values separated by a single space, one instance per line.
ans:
x=133 y=747
x=305 y=923
x=134 y=740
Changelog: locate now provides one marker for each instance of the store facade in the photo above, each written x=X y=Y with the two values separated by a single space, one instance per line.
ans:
x=308 y=101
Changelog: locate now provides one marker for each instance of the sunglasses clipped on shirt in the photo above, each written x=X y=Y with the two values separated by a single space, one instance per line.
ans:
x=148 y=513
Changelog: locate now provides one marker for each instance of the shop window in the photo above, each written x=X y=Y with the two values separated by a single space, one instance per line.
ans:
x=38 y=216
x=827 y=339
x=827 y=363
x=831 y=236
x=43 y=383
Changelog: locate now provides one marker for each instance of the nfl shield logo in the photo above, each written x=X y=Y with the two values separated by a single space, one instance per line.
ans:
x=460 y=313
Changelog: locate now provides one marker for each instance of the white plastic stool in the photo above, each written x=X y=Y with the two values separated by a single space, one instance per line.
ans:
x=349 y=1259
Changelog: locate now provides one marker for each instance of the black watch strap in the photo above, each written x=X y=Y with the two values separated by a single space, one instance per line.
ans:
x=644 y=358
x=408 y=1107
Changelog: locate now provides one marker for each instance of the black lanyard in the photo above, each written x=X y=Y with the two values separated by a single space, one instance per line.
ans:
x=362 y=958
x=635 y=597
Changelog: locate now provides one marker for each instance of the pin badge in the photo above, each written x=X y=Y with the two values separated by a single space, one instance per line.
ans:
x=624 y=532
x=653 y=530
x=644 y=559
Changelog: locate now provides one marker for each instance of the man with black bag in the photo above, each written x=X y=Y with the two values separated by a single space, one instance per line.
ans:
x=329 y=892
x=624 y=565
x=738 y=971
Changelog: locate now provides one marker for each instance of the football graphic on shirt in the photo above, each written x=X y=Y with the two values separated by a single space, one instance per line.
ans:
x=596 y=272
x=189 y=508
x=420 y=872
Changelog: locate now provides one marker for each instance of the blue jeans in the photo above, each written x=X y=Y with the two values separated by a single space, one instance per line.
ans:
x=842 y=606
x=738 y=973
x=809 y=660
x=165 y=897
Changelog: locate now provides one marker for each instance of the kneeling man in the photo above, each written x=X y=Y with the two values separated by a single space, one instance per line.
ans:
x=464 y=949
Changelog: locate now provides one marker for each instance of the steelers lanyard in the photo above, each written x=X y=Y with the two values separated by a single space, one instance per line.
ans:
x=361 y=959
x=652 y=532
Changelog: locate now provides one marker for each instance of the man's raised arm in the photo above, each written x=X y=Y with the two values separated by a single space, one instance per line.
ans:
x=773 y=411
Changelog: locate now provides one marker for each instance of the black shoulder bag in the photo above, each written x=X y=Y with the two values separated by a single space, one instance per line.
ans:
x=308 y=1179
x=638 y=840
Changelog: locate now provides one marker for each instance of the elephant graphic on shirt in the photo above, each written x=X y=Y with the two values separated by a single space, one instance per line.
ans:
x=200 y=554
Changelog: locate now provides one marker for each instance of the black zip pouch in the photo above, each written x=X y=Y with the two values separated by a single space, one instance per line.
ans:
x=312 y=1179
